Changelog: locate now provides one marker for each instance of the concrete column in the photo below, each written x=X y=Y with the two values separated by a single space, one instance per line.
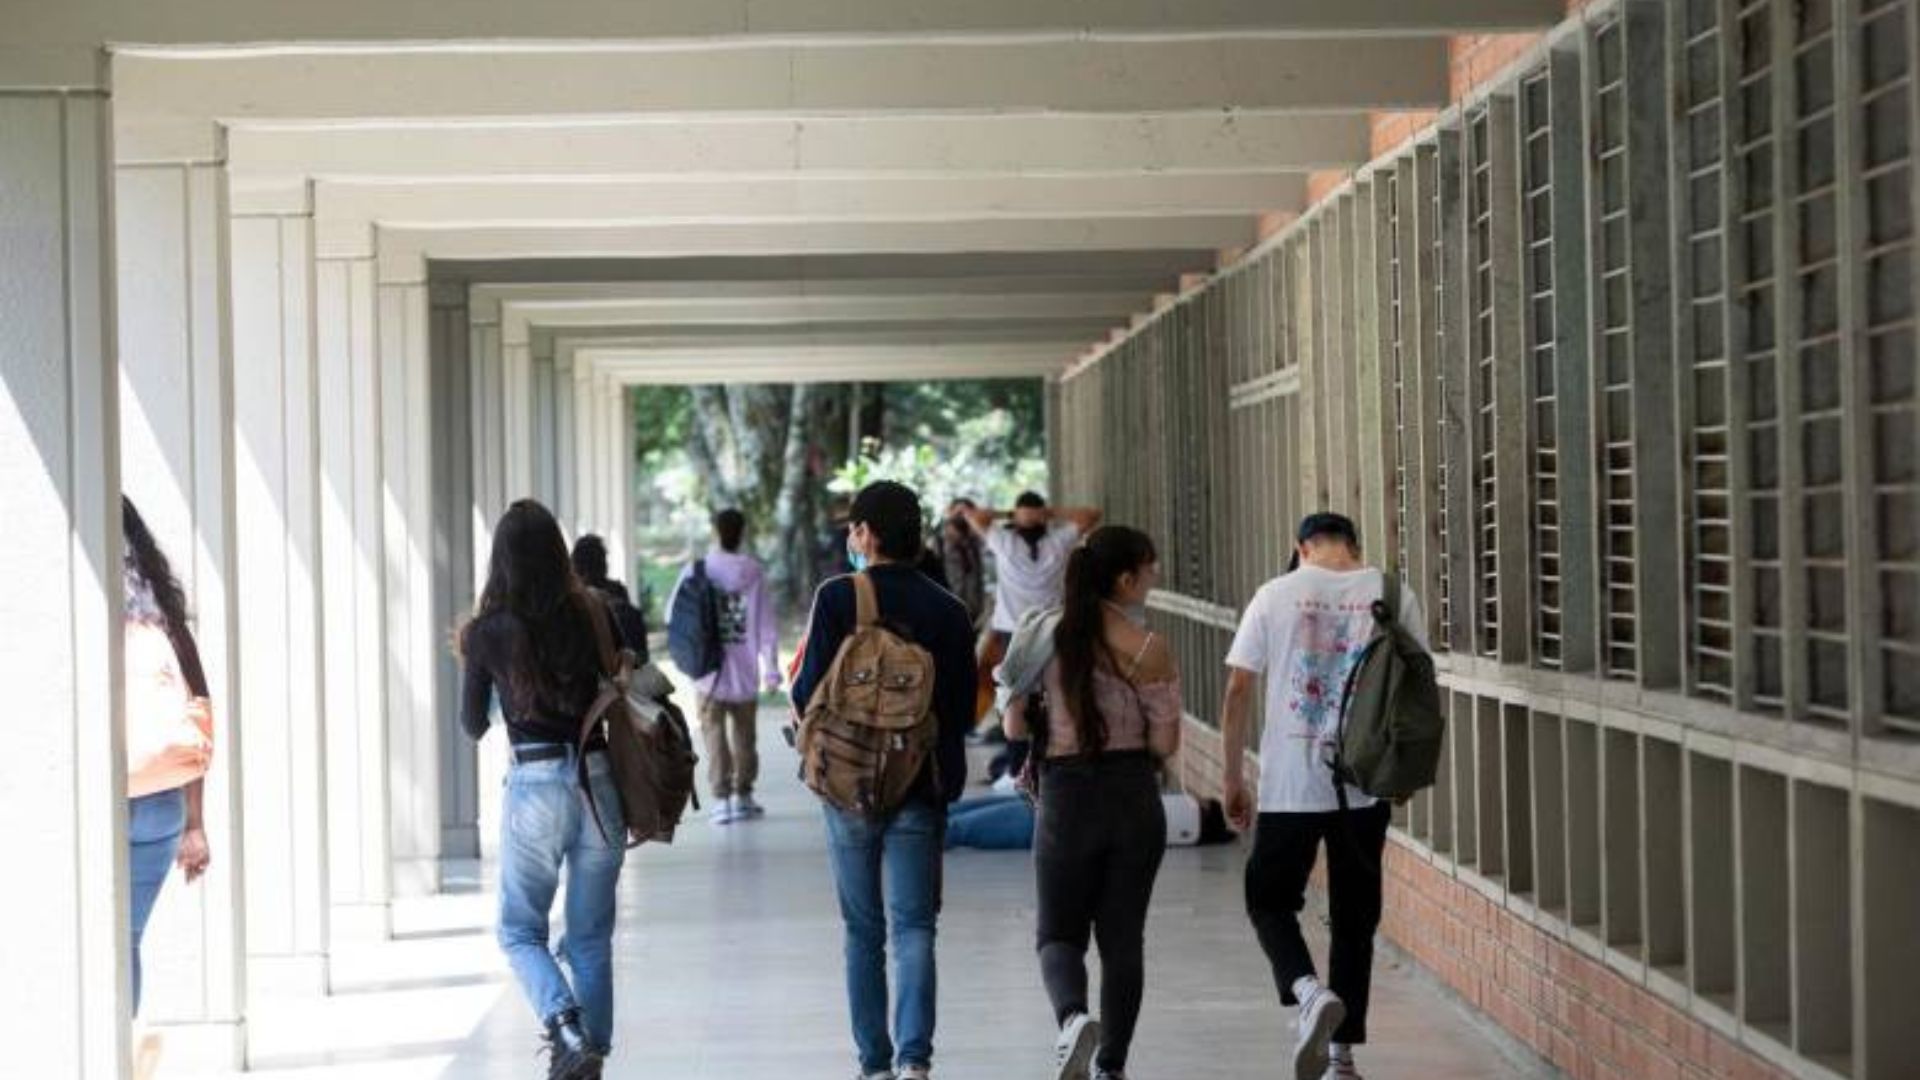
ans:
x=517 y=396
x=63 y=1008
x=566 y=448
x=276 y=508
x=622 y=547
x=352 y=532
x=177 y=464
x=414 y=723
x=487 y=412
x=453 y=555
x=545 y=430
x=586 y=493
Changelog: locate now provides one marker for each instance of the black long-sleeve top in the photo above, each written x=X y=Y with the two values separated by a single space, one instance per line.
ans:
x=924 y=613
x=498 y=645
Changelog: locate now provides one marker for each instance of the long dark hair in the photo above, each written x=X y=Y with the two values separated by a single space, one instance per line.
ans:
x=1080 y=641
x=154 y=595
x=530 y=577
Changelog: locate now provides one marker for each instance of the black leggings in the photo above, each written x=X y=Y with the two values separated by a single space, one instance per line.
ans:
x=1097 y=847
x=1284 y=849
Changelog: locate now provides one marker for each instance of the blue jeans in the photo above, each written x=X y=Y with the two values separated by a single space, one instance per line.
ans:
x=903 y=852
x=154 y=825
x=991 y=822
x=545 y=823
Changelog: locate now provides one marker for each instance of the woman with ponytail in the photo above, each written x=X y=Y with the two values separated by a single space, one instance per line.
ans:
x=1108 y=715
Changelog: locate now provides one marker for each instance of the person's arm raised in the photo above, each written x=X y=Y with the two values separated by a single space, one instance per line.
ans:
x=1083 y=518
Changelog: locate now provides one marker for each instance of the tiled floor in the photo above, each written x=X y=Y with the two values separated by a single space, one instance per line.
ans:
x=729 y=961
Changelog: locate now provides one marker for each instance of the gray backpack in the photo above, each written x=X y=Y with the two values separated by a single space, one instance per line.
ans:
x=1392 y=732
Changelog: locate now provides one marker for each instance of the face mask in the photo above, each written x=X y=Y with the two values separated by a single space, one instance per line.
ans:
x=856 y=559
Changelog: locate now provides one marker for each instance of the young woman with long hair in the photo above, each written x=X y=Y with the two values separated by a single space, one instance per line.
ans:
x=532 y=643
x=165 y=685
x=1111 y=715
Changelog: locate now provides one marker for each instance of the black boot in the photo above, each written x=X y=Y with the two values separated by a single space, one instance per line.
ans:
x=570 y=1054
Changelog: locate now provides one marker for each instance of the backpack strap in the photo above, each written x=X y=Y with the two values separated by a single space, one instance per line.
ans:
x=1387 y=609
x=866 y=605
x=609 y=693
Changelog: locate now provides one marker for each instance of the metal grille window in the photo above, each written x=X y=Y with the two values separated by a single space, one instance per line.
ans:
x=1452 y=500
x=1536 y=223
x=1710 y=468
x=1815 y=338
x=1756 y=294
x=1396 y=359
x=1884 y=47
x=1485 y=472
x=1613 y=318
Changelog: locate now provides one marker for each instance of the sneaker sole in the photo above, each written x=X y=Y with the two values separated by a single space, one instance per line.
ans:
x=581 y=1069
x=1080 y=1057
x=1310 y=1057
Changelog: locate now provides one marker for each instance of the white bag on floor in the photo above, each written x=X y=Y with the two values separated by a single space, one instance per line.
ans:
x=1183 y=819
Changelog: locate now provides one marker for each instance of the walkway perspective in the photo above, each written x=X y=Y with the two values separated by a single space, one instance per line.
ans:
x=728 y=955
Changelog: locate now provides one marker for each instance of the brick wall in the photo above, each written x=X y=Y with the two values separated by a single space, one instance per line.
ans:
x=1570 y=1008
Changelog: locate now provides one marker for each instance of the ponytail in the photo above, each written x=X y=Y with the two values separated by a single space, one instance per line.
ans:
x=1080 y=642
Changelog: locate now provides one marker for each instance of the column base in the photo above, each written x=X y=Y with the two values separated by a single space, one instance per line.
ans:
x=460 y=841
x=205 y=1046
x=416 y=877
x=301 y=976
x=361 y=924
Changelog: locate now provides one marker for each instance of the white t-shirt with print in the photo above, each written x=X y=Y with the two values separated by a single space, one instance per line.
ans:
x=1304 y=631
x=1030 y=577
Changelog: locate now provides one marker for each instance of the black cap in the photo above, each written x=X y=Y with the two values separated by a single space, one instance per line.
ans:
x=1330 y=526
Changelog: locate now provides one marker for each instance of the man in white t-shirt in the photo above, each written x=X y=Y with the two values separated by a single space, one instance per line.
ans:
x=1304 y=631
x=1029 y=552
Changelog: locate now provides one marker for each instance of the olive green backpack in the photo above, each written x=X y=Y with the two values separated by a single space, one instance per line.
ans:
x=1392 y=732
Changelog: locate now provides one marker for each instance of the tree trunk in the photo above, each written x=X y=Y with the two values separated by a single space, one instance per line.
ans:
x=789 y=568
x=712 y=444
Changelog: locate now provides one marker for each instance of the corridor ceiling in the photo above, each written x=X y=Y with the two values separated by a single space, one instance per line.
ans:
x=745 y=189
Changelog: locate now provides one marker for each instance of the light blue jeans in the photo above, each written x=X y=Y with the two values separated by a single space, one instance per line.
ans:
x=154 y=825
x=887 y=872
x=545 y=824
x=991 y=822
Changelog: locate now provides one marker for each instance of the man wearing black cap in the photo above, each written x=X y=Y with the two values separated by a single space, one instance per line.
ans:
x=905 y=847
x=1304 y=631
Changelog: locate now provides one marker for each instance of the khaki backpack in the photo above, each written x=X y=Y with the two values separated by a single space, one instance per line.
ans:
x=649 y=745
x=870 y=728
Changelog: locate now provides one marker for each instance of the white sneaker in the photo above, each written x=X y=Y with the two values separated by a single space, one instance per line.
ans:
x=745 y=806
x=916 y=1072
x=1319 y=1016
x=724 y=812
x=1342 y=1070
x=1073 y=1050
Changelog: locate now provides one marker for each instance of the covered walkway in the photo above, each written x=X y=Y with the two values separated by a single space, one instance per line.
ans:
x=729 y=965
x=1598 y=315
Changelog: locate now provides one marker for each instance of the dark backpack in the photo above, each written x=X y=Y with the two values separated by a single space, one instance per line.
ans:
x=693 y=626
x=649 y=745
x=1391 y=728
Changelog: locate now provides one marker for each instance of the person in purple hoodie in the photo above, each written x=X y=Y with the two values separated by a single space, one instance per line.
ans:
x=730 y=697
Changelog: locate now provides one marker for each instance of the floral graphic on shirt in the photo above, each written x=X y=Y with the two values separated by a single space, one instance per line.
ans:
x=1327 y=648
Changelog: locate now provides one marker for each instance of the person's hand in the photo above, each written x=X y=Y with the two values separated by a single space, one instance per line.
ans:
x=1238 y=803
x=194 y=854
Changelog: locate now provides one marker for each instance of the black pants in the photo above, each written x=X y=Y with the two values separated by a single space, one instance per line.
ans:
x=1284 y=848
x=1097 y=847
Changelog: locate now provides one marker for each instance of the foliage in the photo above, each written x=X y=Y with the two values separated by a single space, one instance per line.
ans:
x=989 y=458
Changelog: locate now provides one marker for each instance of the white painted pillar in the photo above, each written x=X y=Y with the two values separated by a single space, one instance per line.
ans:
x=352 y=529
x=453 y=567
x=277 y=510
x=487 y=424
x=545 y=430
x=566 y=448
x=622 y=547
x=517 y=396
x=414 y=723
x=64 y=1002
x=177 y=464
x=586 y=493
x=605 y=452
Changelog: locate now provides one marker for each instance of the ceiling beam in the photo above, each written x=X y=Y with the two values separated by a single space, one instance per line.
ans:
x=930 y=145
x=824 y=273
x=403 y=253
x=1108 y=308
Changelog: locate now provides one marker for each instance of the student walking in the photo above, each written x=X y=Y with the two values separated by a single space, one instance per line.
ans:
x=887 y=861
x=963 y=559
x=1108 y=715
x=1304 y=631
x=533 y=644
x=748 y=631
x=629 y=622
x=169 y=730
